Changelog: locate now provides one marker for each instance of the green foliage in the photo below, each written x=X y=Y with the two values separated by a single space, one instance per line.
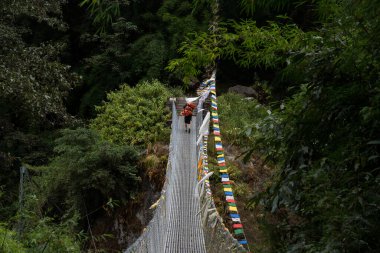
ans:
x=86 y=177
x=329 y=185
x=250 y=6
x=41 y=11
x=27 y=71
x=137 y=45
x=34 y=85
x=103 y=11
x=87 y=171
x=45 y=236
x=237 y=128
x=327 y=151
x=8 y=242
x=250 y=46
x=149 y=55
x=256 y=127
x=200 y=3
x=245 y=43
x=324 y=139
x=198 y=52
x=8 y=189
x=145 y=58
x=178 y=20
x=113 y=59
x=27 y=75
x=136 y=116
x=129 y=41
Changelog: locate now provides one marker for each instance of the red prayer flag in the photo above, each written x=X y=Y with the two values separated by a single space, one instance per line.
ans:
x=237 y=226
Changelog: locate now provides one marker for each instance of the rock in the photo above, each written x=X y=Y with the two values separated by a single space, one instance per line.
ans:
x=244 y=90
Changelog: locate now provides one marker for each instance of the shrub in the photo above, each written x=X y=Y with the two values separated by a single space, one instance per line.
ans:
x=256 y=127
x=88 y=170
x=8 y=243
x=135 y=116
x=45 y=236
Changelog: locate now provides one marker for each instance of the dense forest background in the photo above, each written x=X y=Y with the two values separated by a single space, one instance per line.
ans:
x=84 y=124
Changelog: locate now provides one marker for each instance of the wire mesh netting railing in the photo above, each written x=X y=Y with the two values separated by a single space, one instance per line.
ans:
x=175 y=226
x=154 y=235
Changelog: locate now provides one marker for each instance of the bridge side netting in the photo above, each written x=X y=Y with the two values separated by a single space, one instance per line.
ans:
x=154 y=235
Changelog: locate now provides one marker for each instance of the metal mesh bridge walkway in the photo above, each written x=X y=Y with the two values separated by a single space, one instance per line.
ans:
x=185 y=221
x=185 y=232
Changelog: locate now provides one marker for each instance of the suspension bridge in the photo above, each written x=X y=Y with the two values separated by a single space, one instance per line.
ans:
x=185 y=219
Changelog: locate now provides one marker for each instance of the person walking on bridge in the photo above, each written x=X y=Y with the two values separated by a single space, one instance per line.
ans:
x=187 y=112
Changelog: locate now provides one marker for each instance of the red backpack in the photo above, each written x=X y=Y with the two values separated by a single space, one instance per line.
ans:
x=191 y=105
x=187 y=112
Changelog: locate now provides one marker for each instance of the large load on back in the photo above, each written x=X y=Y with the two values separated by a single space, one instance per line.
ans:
x=188 y=109
x=190 y=105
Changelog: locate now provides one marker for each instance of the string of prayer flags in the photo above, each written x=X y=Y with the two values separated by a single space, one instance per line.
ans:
x=227 y=186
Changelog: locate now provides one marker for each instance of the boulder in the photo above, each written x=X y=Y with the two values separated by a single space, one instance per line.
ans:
x=244 y=90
